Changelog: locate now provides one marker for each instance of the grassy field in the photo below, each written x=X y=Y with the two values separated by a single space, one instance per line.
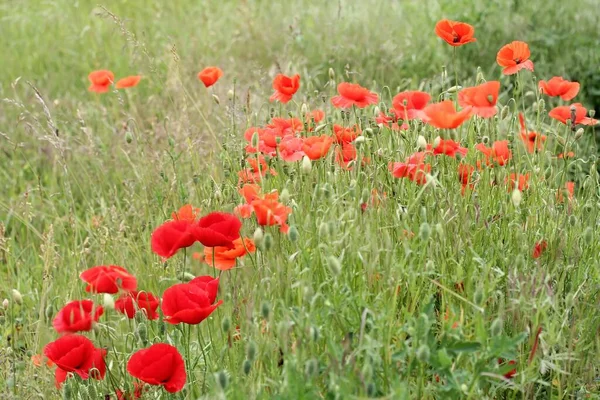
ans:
x=382 y=288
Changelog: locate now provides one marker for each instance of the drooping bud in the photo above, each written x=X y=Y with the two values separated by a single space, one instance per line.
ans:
x=516 y=197
x=216 y=99
x=579 y=133
x=5 y=303
x=331 y=74
x=588 y=235
x=258 y=237
x=421 y=142
x=17 y=297
x=142 y=333
x=306 y=165
x=284 y=196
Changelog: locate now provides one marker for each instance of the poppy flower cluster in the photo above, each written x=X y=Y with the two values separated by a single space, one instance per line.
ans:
x=101 y=81
x=266 y=207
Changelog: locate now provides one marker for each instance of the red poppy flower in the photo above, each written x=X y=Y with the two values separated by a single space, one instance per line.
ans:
x=290 y=149
x=352 y=94
x=410 y=105
x=186 y=213
x=482 y=99
x=521 y=181
x=510 y=374
x=532 y=140
x=285 y=87
x=449 y=147
x=267 y=140
x=269 y=211
x=557 y=86
x=76 y=354
x=414 y=168
x=129 y=303
x=345 y=135
x=498 y=153
x=316 y=147
x=210 y=75
x=443 y=115
x=514 y=57
x=344 y=154
x=209 y=284
x=108 y=279
x=218 y=229
x=128 y=82
x=283 y=127
x=565 y=113
x=77 y=316
x=225 y=258
x=171 y=236
x=569 y=190
x=539 y=248
x=160 y=365
x=101 y=81
x=455 y=33
x=315 y=115
x=187 y=303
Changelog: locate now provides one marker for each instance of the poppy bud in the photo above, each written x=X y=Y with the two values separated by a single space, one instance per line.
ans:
x=5 y=303
x=421 y=142
x=561 y=140
x=424 y=231
x=454 y=89
x=588 y=236
x=216 y=99
x=128 y=137
x=222 y=379
x=267 y=242
x=314 y=333
x=108 y=301
x=16 y=295
x=251 y=351
x=258 y=237
x=327 y=190
x=142 y=333
x=579 y=133
x=479 y=76
x=430 y=266
x=376 y=111
x=592 y=113
x=504 y=113
x=323 y=229
x=359 y=141
x=541 y=106
x=364 y=197
x=331 y=74
x=436 y=142
x=516 y=197
x=439 y=229
x=265 y=310
x=293 y=234
x=284 y=196
x=226 y=324
x=334 y=265
x=311 y=368
x=230 y=94
x=306 y=165
x=485 y=139
x=423 y=213
x=497 y=327
x=423 y=353
x=572 y=220
x=464 y=388
x=478 y=297
x=246 y=367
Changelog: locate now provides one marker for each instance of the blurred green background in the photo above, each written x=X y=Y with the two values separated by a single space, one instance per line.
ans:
x=55 y=44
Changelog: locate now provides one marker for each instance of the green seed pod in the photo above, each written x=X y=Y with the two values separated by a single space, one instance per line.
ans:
x=314 y=333
x=423 y=353
x=258 y=237
x=251 y=351
x=588 y=235
x=572 y=220
x=226 y=324
x=334 y=265
x=284 y=196
x=222 y=379
x=142 y=333
x=497 y=327
x=505 y=112
x=268 y=242
x=128 y=137
x=478 y=296
x=246 y=367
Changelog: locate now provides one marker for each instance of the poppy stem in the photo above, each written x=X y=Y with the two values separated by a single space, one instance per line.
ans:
x=183 y=266
x=455 y=77
x=213 y=263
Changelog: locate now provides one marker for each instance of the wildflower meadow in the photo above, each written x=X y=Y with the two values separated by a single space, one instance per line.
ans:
x=307 y=231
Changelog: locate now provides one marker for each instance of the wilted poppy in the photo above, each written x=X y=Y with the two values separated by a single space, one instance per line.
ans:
x=352 y=94
x=187 y=303
x=76 y=354
x=224 y=258
x=101 y=81
x=172 y=236
x=210 y=75
x=518 y=180
x=482 y=98
x=345 y=135
x=455 y=33
x=443 y=115
x=316 y=147
x=410 y=105
x=129 y=303
x=160 y=365
x=218 y=229
x=532 y=140
x=557 y=86
x=285 y=87
x=499 y=153
x=128 y=82
x=108 y=279
x=566 y=113
x=539 y=248
x=77 y=316
x=514 y=57
x=186 y=213
x=449 y=147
